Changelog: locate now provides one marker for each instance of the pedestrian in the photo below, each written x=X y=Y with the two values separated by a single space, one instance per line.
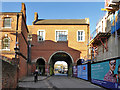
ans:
x=36 y=75
x=67 y=72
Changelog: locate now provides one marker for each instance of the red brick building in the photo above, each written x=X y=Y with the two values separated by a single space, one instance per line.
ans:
x=58 y=40
x=52 y=40
x=10 y=23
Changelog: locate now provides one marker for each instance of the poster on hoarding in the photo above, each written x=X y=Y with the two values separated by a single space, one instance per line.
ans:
x=82 y=71
x=106 y=74
x=74 y=71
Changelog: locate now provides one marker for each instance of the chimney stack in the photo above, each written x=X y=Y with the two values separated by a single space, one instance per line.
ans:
x=87 y=20
x=23 y=10
x=36 y=16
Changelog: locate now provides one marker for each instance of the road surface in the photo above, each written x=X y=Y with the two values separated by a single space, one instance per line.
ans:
x=58 y=82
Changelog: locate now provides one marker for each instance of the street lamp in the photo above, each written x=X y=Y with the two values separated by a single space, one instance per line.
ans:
x=29 y=48
x=16 y=53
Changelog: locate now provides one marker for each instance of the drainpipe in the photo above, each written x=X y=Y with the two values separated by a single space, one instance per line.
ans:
x=29 y=50
x=16 y=43
x=16 y=48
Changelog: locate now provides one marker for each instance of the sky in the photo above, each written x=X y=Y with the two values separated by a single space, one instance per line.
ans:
x=59 y=10
x=61 y=62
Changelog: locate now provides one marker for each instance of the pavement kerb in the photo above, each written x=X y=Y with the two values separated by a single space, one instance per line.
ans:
x=33 y=80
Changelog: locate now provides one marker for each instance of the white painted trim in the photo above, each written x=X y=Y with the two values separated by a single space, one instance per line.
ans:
x=5 y=50
x=83 y=36
x=35 y=60
x=60 y=30
x=6 y=27
x=43 y=34
x=60 y=52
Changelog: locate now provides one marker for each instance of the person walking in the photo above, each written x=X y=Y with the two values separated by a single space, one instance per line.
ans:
x=36 y=75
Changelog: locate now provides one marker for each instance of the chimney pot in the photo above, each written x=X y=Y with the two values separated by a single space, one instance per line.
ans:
x=36 y=16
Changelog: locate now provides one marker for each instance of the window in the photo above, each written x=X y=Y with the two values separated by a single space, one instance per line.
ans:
x=41 y=35
x=7 y=23
x=6 y=43
x=81 y=35
x=61 y=35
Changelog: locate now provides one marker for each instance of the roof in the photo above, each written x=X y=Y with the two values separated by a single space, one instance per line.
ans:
x=10 y=13
x=60 y=22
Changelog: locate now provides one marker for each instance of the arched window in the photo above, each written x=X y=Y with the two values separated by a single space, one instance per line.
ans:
x=6 y=43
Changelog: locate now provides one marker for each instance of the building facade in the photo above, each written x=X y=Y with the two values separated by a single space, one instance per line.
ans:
x=49 y=41
x=106 y=43
x=13 y=37
x=58 y=40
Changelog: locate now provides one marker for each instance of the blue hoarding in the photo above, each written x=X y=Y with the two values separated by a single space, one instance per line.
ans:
x=82 y=71
x=106 y=74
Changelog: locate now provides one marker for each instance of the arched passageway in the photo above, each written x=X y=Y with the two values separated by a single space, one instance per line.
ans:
x=60 y=68
x=40 y=65
x=60 y=56
x=79 y=62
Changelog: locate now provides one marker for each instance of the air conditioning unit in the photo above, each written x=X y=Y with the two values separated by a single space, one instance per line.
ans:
x=40 y=38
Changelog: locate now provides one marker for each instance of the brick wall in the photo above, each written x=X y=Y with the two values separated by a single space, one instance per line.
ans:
x=23 y=50
x=22 y=40
x=9 y=75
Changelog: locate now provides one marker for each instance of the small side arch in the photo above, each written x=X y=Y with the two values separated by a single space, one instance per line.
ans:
x=35 y=60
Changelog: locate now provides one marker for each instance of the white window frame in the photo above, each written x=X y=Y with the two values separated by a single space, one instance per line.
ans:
x=43 y=35
x=83 y=36
x=10 y=22
x=58 y=31
x=8 y=49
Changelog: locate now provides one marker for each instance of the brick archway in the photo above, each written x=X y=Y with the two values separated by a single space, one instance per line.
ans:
x=60 y=56
x=61 y=52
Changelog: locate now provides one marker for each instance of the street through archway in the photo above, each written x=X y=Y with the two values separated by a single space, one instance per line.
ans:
x=60 y=68
x=61 y=56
